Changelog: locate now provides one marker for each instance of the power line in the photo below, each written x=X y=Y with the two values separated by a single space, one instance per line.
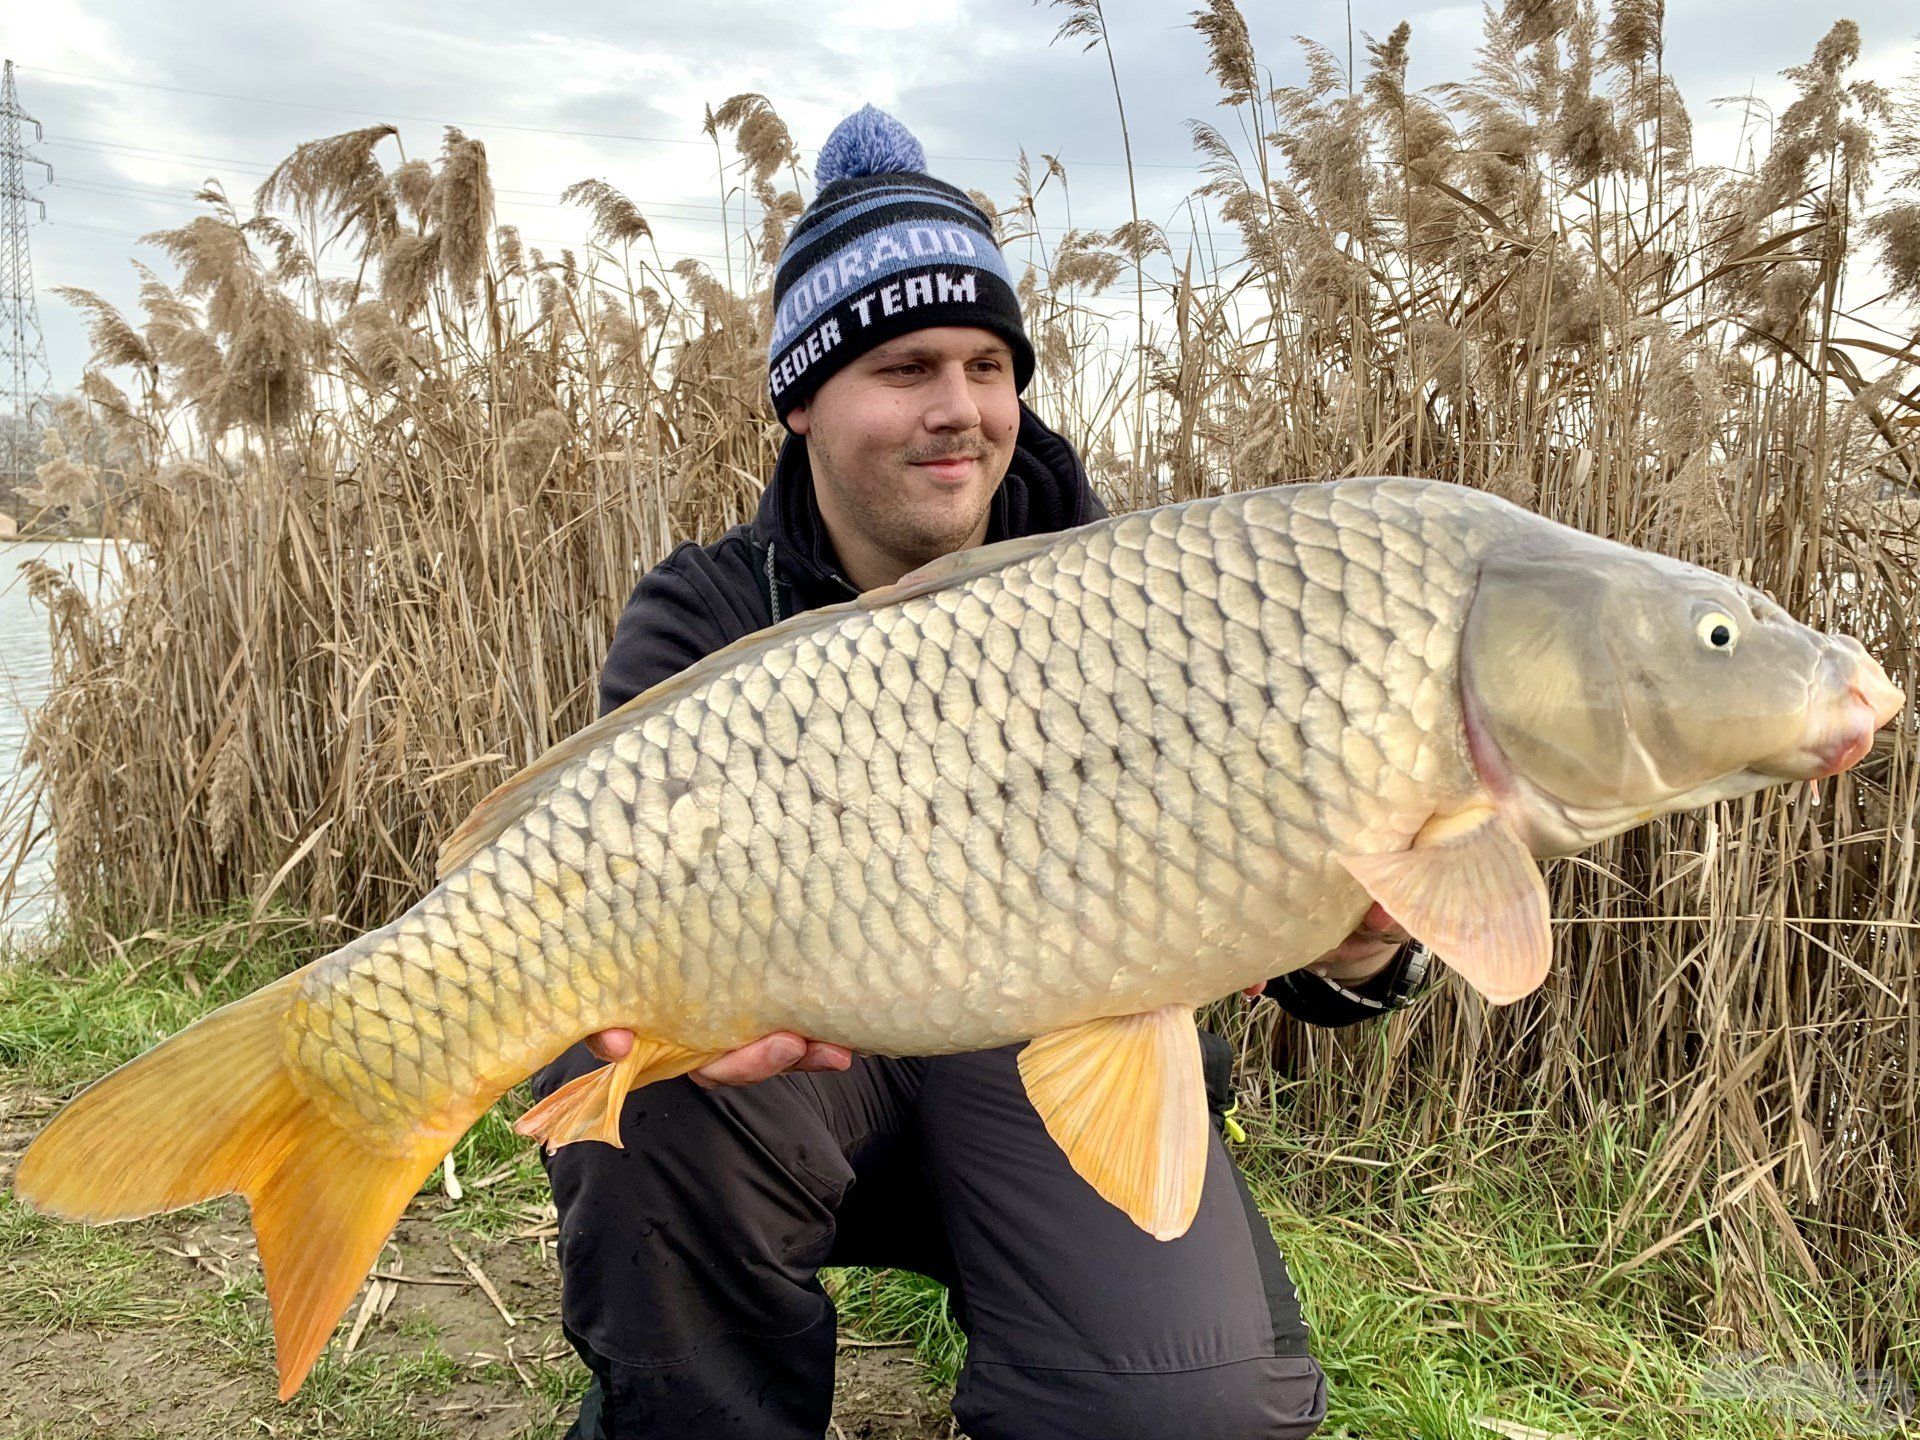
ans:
x=709 y=213
x=116 y=189
x=578 y=242
x=145 y=192
x=134 y=192
x=573 y=244
x=371 y=114
x=524 y=129
x=343 y=271
x=170 y=156
x=256 y=167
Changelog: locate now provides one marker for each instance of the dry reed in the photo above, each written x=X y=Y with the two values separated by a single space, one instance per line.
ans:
x=384 y=527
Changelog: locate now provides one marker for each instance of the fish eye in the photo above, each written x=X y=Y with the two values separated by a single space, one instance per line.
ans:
x=1717 y=630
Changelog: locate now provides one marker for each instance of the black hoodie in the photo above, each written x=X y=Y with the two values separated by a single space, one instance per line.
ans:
x=702 y=597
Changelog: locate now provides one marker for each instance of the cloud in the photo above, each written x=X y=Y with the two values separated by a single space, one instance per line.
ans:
x=975 y=79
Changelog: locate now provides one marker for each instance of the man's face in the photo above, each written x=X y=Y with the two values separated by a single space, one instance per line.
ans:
x=878 y=430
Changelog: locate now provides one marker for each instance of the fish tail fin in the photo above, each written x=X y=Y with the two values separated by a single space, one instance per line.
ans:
x=214 y=1111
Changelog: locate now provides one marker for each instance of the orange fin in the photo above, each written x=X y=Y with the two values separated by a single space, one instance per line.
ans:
x=1471 y=890
x=213 y=1111
x=587 y=1107
x=1125 y=1099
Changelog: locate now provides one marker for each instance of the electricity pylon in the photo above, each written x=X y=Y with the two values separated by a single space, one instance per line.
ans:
x=23 y=350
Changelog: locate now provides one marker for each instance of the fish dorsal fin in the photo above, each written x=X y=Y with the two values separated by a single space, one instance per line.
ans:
x=1125 y=1098
x=1470 y=889
x=958 y=568
x=518 y=794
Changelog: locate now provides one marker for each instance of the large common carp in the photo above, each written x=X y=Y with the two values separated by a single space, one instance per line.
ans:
x=1063 y=789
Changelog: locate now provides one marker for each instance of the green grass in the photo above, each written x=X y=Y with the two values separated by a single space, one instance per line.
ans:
x=1481 y=1277
x=68 y=1014
x=55 y=1276
x=363 y=1394
x=509 y=1164
x=1490 y=1274
x=900 y=1305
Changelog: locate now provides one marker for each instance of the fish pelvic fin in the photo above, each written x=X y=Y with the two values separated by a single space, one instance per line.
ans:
x=1125 y=1098
x=587 y=1107
x=1470 y=890
x=216 y=1110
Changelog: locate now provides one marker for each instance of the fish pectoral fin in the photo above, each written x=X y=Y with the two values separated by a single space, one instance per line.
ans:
x=1472 y=892
x=1125 y=1099
x=587 y=1107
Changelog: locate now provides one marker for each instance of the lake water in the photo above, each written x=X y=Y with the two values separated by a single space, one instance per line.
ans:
x=25 y=662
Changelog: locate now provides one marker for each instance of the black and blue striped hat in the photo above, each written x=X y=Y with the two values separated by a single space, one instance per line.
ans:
x=885 y=248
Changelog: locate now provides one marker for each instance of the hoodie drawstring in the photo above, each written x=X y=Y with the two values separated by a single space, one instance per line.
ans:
x=773 y=585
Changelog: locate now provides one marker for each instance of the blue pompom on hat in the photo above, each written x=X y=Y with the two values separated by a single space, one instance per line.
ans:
x=883 y=249
x=868 y=142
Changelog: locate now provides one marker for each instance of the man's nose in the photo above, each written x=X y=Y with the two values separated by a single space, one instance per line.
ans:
x=950 y=403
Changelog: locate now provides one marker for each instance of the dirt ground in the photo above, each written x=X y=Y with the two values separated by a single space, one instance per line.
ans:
x=457 y=1337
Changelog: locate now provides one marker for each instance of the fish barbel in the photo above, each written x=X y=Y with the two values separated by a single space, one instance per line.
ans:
x=1063 y=789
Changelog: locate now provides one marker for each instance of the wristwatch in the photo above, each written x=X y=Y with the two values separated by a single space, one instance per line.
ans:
x=1310 y=996
x=1397 y=984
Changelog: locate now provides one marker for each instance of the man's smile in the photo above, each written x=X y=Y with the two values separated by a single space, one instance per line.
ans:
x=949 y=468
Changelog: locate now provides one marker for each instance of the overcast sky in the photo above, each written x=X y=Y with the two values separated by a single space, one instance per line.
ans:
x=140 y=103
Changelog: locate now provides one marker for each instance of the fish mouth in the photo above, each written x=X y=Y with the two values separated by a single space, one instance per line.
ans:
x=1853 y=698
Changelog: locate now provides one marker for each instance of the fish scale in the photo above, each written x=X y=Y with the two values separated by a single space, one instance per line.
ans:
x=1103 y=777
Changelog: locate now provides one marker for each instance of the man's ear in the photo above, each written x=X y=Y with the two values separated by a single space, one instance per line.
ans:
x=798 y=421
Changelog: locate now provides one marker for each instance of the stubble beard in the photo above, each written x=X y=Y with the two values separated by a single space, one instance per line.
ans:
x=912 y=540
x=916 y=540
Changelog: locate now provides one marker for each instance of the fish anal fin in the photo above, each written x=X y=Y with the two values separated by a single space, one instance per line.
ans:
x=1472 y=892
x=1125 y=1099
x=587 y=1107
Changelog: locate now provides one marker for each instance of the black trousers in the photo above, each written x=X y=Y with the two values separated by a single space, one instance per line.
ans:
x=689 y=1264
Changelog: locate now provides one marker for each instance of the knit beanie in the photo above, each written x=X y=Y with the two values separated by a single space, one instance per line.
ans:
x=885 y=248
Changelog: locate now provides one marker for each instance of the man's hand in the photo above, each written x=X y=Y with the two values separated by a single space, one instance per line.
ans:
x=757 y=1060
x=1360 y=956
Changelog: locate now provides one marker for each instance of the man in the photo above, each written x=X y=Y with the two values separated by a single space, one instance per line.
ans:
x=689 y=1258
